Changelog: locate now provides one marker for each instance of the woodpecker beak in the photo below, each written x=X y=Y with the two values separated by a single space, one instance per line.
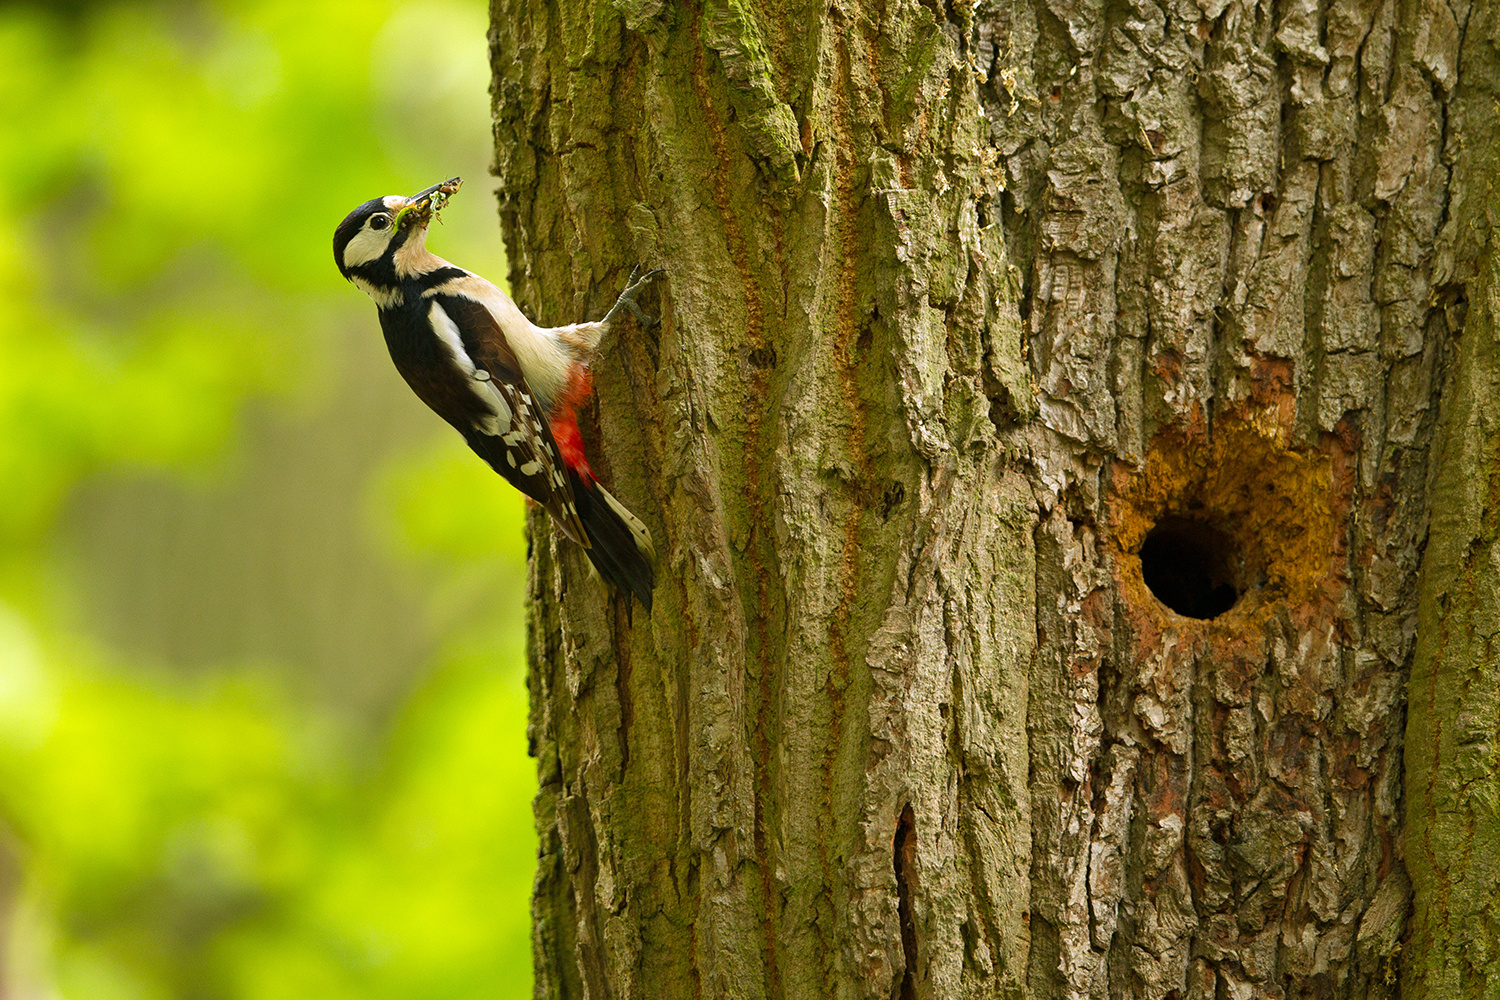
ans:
x=422 y=206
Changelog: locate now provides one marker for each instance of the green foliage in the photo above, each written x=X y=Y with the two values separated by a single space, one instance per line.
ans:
x=420 y=528
x=170 y=176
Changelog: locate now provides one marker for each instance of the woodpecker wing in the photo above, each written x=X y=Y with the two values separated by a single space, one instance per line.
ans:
x=527 y=456
x=512 y=434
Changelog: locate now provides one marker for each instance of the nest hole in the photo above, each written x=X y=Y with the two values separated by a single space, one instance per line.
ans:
x=1193 y=567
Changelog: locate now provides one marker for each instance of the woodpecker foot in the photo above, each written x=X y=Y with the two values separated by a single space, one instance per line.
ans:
x=626 y=301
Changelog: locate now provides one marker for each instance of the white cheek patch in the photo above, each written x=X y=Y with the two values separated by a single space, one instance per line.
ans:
x=366 y=246
x=499 y=418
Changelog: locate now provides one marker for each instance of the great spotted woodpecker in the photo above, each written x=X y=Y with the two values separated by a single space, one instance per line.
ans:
x=511 y=388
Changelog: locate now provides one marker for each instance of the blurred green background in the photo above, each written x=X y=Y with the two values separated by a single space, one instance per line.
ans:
x=262 y=704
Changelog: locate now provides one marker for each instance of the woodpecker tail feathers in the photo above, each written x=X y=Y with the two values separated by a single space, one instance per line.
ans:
x=619 y=544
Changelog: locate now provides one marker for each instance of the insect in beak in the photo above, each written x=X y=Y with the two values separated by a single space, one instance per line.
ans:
x=425 y=204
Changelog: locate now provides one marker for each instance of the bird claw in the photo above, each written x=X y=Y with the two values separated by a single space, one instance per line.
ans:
x=633 y=287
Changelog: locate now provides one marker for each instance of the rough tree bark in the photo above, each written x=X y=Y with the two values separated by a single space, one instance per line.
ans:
x=965 y=304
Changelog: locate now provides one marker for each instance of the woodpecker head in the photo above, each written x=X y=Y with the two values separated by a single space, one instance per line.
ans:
x=367 y=242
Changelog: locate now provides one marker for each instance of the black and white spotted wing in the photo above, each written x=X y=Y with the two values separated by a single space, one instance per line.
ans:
x=491 y=405
x=525 y=453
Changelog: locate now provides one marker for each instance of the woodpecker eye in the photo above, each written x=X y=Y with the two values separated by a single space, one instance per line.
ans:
x=379 y=221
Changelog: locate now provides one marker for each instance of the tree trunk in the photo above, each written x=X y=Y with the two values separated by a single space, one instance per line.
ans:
x=990 y=336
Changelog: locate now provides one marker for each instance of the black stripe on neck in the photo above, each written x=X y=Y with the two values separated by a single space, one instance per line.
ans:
x=438 y=276
x=380 y=272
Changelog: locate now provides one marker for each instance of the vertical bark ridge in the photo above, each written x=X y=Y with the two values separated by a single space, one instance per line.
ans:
x=1453 y=781
x=733 y=235
x=761 y=611
x=622 y=616
x=761 y=555
x=842 y=620
x=905 y=851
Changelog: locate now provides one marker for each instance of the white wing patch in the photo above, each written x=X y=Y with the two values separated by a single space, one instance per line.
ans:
x=545 y=357
x=499 y=419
